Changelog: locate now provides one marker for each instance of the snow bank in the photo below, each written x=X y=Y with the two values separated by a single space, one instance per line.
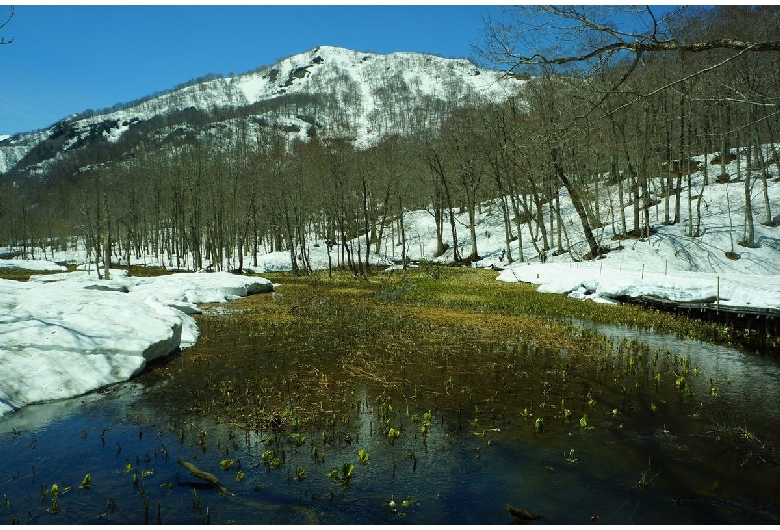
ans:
x=31 y=265
x=63 y=335
x=600 y=282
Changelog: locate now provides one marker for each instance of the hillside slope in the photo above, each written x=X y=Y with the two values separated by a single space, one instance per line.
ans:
x=329 y=91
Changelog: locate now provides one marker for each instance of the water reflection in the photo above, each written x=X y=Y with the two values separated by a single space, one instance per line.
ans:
x=747 y=384
x=480 y=452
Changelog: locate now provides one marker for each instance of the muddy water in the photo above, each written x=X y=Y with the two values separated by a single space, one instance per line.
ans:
x=610 y=436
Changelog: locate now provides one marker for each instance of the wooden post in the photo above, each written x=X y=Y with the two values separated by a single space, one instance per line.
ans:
x=717 y=294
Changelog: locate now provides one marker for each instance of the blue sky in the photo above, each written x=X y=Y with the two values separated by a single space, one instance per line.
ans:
x=67 y=59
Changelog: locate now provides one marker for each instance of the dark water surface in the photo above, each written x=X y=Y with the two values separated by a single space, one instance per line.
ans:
x=645 y=453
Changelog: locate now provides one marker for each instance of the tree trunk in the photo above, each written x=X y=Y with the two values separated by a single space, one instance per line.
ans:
x=576 y=199
x=106 y=239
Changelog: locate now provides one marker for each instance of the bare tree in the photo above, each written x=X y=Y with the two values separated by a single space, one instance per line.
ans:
x=589 y=40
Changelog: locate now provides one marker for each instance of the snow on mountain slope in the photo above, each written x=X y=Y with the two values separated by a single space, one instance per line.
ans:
x=14 y=148
x=344 y=93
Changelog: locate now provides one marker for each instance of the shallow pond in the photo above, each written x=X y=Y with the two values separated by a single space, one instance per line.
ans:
x=454 y=424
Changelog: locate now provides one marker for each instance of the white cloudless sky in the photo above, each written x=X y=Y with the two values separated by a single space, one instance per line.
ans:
x=67 y=59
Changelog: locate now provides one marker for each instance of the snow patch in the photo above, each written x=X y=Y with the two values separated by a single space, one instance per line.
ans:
x=62 y=337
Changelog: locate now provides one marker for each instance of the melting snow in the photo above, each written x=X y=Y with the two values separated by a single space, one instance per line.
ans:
x=66 y=334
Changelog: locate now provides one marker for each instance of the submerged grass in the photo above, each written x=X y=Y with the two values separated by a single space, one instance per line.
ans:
x=452 y=339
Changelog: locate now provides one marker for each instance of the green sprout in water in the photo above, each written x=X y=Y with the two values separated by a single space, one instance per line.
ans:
x=240 y=476
x=392 y=434
x=345 y=473
x=391 y=503
x=197 y=504
x=55 y=503
x=300 y=474
x=539 y=425
x=86 y=483
x=297 y=439
x=226 y=464
x=409 y=502
x=363 y=456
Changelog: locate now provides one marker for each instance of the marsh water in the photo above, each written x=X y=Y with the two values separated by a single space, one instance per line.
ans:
x=390 y=418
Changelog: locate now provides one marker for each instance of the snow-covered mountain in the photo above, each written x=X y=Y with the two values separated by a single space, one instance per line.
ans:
x=328 y=91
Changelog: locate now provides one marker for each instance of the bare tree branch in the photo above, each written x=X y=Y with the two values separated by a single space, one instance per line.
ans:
x=677 y=81
x=4 y=24
x=670 y=45
x=584 y=33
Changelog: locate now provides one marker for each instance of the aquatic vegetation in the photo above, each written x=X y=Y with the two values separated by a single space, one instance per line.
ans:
x=539 y=425
x=86 y=482
x=409 y=501
x=55 y=503
x=344 y=473
x=297 y=439
x=345 y=370
x=646 y=479
x=197 y=504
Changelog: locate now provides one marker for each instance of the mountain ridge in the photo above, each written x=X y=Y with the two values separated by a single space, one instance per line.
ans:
x=328 y=90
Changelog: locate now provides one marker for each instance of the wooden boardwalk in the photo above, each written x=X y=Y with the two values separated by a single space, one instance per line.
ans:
x=763 y=321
